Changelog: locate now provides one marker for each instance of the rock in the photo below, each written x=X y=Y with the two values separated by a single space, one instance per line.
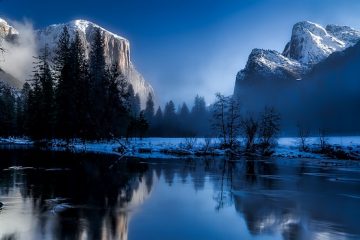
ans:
x=117 y=50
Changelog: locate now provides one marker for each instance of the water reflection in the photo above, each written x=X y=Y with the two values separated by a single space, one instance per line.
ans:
x=66 y=196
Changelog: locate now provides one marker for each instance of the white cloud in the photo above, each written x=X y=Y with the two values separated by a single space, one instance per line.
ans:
x=18 y=56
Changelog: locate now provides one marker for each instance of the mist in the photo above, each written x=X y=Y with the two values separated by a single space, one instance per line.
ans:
x=18 y=56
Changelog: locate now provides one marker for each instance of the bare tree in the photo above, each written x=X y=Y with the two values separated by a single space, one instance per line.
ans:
x=226 y=119
x=219 y=116
x=269 y=129
x=190 y=143
x=207 y=143
x=323 y=139
x=303 y=133
x=233 y=121
x=250 y=128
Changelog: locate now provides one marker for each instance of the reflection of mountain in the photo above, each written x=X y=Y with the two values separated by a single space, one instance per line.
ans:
x=67 y=196
x=281 y=200
x=80 y=199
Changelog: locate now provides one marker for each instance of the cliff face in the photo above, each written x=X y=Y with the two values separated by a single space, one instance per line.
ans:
x=117 y=48
x=311 y=43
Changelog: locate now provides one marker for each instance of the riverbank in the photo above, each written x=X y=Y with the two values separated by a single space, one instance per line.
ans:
x=341 y=147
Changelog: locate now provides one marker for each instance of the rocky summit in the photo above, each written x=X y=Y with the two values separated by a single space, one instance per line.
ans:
x=310 y=44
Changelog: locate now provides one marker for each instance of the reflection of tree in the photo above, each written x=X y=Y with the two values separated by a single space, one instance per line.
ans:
x=224 y=197
x=262 y=212
x=102 y=197
x=85 y=182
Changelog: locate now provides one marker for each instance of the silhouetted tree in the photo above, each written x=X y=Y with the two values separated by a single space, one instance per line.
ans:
x=116 y=111
x=7 y=112
x=149 y=109
x=65 y=95
x=250 y=128
x=226 y=119
x=99 y=84
x=22 y=110
x=81 y=89
x=41 y=99
x=303 y=133
x=269 y=129
x=199 y=117
x=134 y=102
x=156 y=129
x=169 y=119
x=142 y=125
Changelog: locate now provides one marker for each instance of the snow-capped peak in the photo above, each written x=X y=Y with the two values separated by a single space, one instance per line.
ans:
x=272 y=60
x=348 y=35
x=268 y=63
x=310 y=43
x=6 y=29
x=84 y=25
x=81 y=26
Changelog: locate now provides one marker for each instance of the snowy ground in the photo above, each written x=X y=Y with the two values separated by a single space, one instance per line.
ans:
x=175 y=147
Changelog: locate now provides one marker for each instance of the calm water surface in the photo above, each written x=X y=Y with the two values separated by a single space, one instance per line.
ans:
x=57 y=195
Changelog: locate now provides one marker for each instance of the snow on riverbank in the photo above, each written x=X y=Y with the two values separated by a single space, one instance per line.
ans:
x=288 y=147
x=11 y=140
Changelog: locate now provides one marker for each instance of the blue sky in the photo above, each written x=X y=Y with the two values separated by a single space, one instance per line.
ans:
x=185 y=47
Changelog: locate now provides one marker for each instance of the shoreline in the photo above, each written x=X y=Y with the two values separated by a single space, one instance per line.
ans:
x=287 y=147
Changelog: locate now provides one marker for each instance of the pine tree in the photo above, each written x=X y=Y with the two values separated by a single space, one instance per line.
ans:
x=7 y=112
x=22 y=109
x=137 y=105
x=184 y=120
x=169 y=112
x=99 y=85
x=156 y=127
x=47 y=83
x=134 y=102
x=149 y=109
x=116 y=111
x=142 y=125
x=170 y=125
x=41 y=99
x=81 y=89
x=158 y=115
x=64 y=101
x=199 y=117
x=34 y=120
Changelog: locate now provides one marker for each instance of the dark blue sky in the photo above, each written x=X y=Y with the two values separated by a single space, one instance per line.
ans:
x=185 y=47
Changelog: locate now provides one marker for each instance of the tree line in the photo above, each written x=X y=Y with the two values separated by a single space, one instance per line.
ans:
x=181 y=121
x=71 y=96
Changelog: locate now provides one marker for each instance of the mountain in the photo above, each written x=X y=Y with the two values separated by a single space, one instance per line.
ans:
x=7 y=32
x=9 y=80
x=315 y=81
x=117 y=48
x=266 y=64
x=310 y=44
